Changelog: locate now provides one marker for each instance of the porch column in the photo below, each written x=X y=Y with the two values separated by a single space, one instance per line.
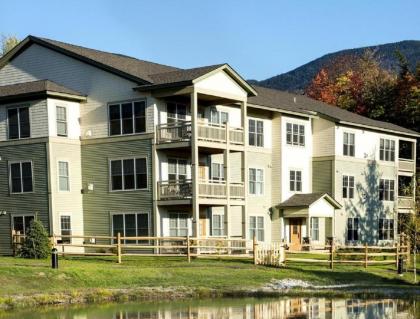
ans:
x=244 y=164
x=194 y=164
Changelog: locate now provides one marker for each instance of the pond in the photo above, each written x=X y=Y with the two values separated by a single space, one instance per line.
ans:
x=250 y=308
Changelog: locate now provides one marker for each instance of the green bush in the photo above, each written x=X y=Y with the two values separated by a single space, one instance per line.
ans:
x=36 y=244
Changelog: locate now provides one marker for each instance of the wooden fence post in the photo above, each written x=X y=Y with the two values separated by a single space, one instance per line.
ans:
x=188 y=249
x=119 y=247
x=408 y=251
x=332 y=255
x=397 y=254
x=366 y=255
x=14 y=242
x=255 y=247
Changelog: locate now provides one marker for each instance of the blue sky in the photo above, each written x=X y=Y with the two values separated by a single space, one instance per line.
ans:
x=258 y=38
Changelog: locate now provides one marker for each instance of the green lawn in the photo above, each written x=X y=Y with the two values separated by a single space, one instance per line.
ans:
x=20 y=276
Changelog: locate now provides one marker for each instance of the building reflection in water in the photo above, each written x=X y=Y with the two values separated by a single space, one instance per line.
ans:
x=310 y=308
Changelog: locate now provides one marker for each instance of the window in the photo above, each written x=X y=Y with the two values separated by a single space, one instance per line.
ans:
x=352 y=229
x=219 y=117
x=177 y=169
x=256 y=133
x=21 y=177
x=386 y=189
x=131 y=225
x=295 y=181
x=128 y=174
x=217 y=172
x=218 y=225
x=65 y=223
x=348 y=144
x=348 y=186
x=314 y=228
x=256 y=181
x=256 y=227
x=386 y=229
x=61 y=115
x=176 y=112
x=63 y=177
x=127 y=118
x=387 y=150
x=178 y=224
x=18 y=121
x=22 y=223
x=295 y=134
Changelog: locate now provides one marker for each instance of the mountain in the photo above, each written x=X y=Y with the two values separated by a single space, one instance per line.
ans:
x=298 y=79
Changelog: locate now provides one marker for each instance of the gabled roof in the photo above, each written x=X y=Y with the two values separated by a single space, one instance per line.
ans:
x=29 y=89
x=125 y=66
x=306 y=200
x=288 y=101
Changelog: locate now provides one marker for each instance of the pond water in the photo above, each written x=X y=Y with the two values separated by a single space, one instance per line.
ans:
x=273 y=308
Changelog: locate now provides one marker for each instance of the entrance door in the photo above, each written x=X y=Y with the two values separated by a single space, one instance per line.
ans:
x=295 y=233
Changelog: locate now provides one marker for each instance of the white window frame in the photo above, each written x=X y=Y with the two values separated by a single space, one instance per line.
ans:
x=218 y=119
x=387 y=154
x=256 y=133
x=21 y=177
x=295 y=181
x=291 y=133
x=30 y=121
x=177 y=114
x=70 y=230
x=256 y=182
x=348 y=186
x=135 y=174
x=65 y=121
x=177 y=168
x=120 y=103
x=221 y=216
x=221 y=171
x=353 y=229
x=60 y=176
x=347 y=147
x=385 y=187
x=314 y=230
x=23 y=215
x=388 y=231
x=124 y=227
x=178 y=228
x=256 y=230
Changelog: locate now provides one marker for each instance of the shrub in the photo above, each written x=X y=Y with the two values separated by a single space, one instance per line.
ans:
x=36 y=244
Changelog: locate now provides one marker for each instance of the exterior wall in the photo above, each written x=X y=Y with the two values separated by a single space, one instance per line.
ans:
x=101 y=202
x=322 y=176
x=101 y=87
x=324 y=142
x=221 y=83
x=25 y=203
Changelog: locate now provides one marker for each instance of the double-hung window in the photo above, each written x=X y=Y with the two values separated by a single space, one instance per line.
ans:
x=61 y=118
x=177 y=169
x=352 y=229
x=176 y=112
x=256 y=133
x=21 y=177
x=386 y=189
x=348 y=144
x=178 y=224
x=65 y=223
x=295 y=134
x=256 y=227
x=387 y=150
x=217 y=224
x=21 y=223
x=314 y=228
x=217 y=172
x=348 y=186
x=63 y=176
x=131 y=225
x=128 y=174
x=256 y=181
x=219 y=117
x=386 y=229
x=295 y=181
x=127 y=118
x=18 y=123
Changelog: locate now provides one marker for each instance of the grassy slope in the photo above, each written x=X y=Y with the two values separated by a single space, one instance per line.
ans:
x=19 y=276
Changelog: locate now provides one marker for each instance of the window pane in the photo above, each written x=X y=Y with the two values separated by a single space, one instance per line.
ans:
x=114 y=118
x=116 y=175
x=140 y=116
x=18 y=224
x=27 y=176
x=141 y=173
x=127 y=118
x=12 y=115
x=118 y=224
x=15 y=178
x=128 y=166
x=130 y=225
x=143 y=225
x=24 y=122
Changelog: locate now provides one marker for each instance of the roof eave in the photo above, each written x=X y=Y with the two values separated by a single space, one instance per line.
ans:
x=305 y=113
x=41 y=95
x=376 y=128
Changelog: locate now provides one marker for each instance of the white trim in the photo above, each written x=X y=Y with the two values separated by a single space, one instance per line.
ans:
x=113 y=213
x=68 y=175
x=132 y=101
x=21 y=179
x=263 y=181
x=65 y=107
x=135 y=173
x=18 y=106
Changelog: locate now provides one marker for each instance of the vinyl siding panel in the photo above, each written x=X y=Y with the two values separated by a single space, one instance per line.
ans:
x=323 y=137
x=235 y=221
x=99 y=203
x=322 y=176
x=36 y=202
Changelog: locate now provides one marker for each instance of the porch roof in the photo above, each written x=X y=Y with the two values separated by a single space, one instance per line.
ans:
x=307 y=200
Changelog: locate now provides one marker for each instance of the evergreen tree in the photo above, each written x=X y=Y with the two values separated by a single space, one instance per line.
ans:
x=36 y=244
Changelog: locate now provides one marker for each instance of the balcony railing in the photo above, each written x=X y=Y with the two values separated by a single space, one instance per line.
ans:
x=406 y=165
x=172 y=190
x=406 y=202
x=181 y=131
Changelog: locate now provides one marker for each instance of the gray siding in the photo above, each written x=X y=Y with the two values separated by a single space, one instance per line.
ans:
x=99 y=203
x=322 y=176
x=36 y=202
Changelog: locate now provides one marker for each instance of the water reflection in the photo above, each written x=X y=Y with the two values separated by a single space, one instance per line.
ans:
x=311 y=308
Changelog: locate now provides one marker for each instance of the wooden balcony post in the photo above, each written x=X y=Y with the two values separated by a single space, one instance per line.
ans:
x=188 y=249
x=255 y=248
x=332 y=255
x=119 y=247
x=366 y=255
x=244 y=163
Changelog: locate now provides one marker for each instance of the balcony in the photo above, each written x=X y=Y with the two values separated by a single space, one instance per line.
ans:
x=181 y=131
x=175 y=190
